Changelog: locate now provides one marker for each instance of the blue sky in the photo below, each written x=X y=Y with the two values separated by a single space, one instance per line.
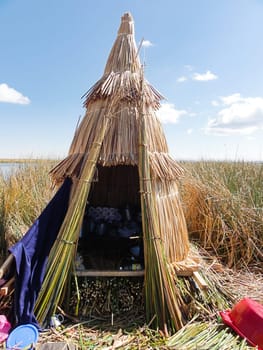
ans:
x=204 y=56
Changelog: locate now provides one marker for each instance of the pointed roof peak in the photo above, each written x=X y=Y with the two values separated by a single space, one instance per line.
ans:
x=124 y=55
x=127 y=24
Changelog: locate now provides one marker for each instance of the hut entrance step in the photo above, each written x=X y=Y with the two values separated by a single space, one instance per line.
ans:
x=109 y=273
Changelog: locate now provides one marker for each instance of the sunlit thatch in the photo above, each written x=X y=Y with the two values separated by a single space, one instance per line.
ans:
x=121 y=124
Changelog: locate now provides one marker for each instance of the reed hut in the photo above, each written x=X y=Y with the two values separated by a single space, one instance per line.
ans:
x=118 y=156
x=119 y=160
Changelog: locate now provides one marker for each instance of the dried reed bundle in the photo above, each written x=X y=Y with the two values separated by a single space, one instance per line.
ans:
x=63 y=250
x=161 y=294
x=206 y=336
x=105 y=296
x=171 y=220
x=163 y=166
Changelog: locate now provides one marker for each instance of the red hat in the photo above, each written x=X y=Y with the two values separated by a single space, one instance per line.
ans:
x=5 y=326
x=246 y=318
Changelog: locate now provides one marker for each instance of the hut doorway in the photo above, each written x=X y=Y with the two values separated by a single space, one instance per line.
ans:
x=111 y=241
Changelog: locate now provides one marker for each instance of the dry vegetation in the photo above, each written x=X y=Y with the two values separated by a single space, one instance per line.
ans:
x=223 y=204
x=23 y=195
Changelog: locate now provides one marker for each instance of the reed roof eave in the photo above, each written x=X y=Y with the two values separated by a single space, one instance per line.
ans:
x=163 y=167
x=123 y=86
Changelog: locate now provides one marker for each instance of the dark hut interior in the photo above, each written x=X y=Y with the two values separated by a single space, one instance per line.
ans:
x=111 y=234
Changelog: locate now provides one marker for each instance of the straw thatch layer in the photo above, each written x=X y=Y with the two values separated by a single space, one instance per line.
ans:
x=119 y=91
x=120 y=145
x=172 y=225
x=125 y=86
x=121 y=129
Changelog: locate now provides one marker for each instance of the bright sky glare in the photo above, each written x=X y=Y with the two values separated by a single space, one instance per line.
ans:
x=204 y=56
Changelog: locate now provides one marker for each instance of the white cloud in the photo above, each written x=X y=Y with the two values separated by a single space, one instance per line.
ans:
x=215 y=103
x=238 y=116
x=169 y=114
x=181 y=79
x=205 y=76
x=189 y=131
x=10 y=95
x=146 y=43
x=229 y=100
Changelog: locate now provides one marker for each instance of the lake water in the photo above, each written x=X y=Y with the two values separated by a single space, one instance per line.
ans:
x=7 y=168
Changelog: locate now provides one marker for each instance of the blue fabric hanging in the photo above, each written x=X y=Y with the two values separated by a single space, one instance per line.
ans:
x=31 y=254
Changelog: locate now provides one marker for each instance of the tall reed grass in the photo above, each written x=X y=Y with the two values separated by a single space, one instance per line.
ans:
x=223 y=204
x=23 y=195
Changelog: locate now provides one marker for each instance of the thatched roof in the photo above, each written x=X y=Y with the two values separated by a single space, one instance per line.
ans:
x=117 y=96
x=121 y=130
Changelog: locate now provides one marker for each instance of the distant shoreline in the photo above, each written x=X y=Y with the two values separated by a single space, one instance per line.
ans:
x=31 y=160
x=22 y=160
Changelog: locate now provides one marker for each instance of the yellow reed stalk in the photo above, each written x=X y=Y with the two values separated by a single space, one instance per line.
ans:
x=63 y=250
x=161 y=293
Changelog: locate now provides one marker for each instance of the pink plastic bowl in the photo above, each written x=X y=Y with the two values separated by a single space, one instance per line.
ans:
x=5 y=327
x=246 y=318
